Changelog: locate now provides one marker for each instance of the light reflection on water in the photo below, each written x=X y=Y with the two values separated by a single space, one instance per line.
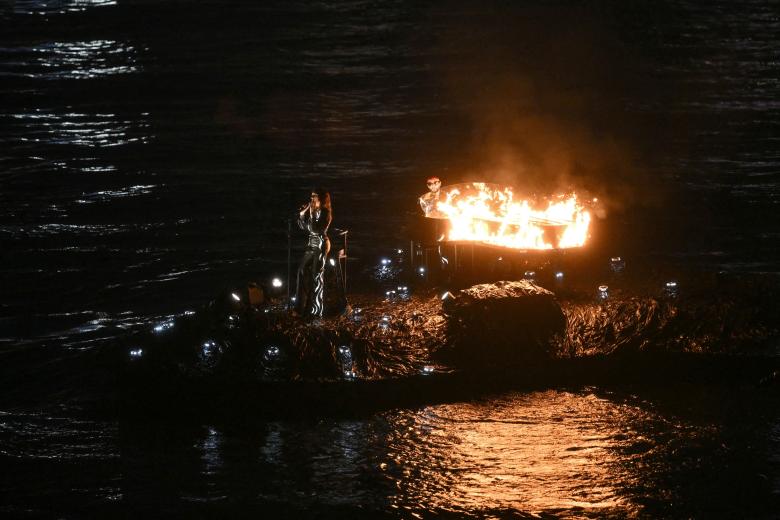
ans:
x=537 y=452
x=561 y=453
x=79 y=129
x=45 y=7
x=108 y=195
x=540 y=453
x=69 y=60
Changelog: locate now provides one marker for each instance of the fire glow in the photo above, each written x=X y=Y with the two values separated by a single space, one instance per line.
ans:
x=492 y=214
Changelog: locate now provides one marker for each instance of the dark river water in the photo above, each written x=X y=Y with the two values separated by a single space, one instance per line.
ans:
x=151 y=154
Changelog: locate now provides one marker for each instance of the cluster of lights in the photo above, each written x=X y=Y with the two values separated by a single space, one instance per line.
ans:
x=421 y=271
x=276 y=283
x=385 y=270
x=671 y=288
x=271 y=352
x=427 y=370
x=136 y=353
x=399 y=293
x=162 y=327
x=209 y=348
x=603 y=292
x=559 y=275
x=232 y=321
x=345 y=360
x=384 y=322
x=529 y=275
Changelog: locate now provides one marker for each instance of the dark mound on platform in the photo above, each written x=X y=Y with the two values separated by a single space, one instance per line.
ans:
x=507 y=321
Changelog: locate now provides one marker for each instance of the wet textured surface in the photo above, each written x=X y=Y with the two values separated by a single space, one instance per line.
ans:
x=150 y=156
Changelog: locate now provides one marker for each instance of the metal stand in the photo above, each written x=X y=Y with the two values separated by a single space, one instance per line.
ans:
x=289 y=258
x=342 y=256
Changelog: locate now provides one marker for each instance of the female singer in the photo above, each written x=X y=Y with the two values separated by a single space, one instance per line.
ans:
x=314 y=218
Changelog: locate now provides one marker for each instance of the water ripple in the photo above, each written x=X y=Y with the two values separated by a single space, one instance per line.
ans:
x=70 y=60
x=100 y=130
x=47 y=7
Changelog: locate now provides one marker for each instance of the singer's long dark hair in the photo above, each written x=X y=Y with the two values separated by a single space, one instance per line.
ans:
x=324 y=199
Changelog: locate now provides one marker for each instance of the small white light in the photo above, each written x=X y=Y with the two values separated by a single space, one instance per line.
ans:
x=350 y=374
x=446 y=295
x=427 y=370
x=385 y=261
x=500 y=258
x=343 y=349
x=671 y=285
x=189 y=313
x=559 y=275
x=294 y=298
x=529 y=275
x=235 y=297
x=272 y=351
x=137 y=353
x=421 y=270
x=400 y=251
x=276 y=282
x=332 y=261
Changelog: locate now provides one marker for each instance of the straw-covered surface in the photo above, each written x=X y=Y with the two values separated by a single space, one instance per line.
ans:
x=487 y=325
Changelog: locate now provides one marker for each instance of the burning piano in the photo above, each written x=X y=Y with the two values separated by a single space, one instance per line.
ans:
x=486 y=219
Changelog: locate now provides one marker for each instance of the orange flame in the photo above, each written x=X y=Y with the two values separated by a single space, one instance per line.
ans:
x=489 y=213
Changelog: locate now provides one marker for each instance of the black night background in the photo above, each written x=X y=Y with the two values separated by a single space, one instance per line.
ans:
x=153 y=154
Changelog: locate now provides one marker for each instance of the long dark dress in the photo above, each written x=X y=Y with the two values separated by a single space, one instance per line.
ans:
x=310 y=283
